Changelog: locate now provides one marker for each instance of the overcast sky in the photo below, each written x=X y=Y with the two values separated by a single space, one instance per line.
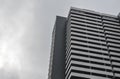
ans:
x=25 y=33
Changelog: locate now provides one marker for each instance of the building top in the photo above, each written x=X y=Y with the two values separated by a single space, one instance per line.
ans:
x=119 y=15
x=94 y=12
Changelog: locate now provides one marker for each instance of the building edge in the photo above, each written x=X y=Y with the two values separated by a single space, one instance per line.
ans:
x=57 y=55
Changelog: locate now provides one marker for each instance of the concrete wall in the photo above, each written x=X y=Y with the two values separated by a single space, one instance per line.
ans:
x=58 y=62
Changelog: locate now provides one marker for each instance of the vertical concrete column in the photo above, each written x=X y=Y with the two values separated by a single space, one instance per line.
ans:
x=119 y=17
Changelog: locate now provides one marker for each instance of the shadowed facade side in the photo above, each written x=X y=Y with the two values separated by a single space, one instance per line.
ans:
x=57 y=58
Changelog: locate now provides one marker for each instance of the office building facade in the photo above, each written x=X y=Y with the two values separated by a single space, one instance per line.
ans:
x=86 y=45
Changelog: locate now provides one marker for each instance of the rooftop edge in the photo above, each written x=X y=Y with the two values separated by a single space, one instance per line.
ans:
x=95 y=12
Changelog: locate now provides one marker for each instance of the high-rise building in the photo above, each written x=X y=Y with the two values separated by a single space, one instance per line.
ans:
x=85 y=45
